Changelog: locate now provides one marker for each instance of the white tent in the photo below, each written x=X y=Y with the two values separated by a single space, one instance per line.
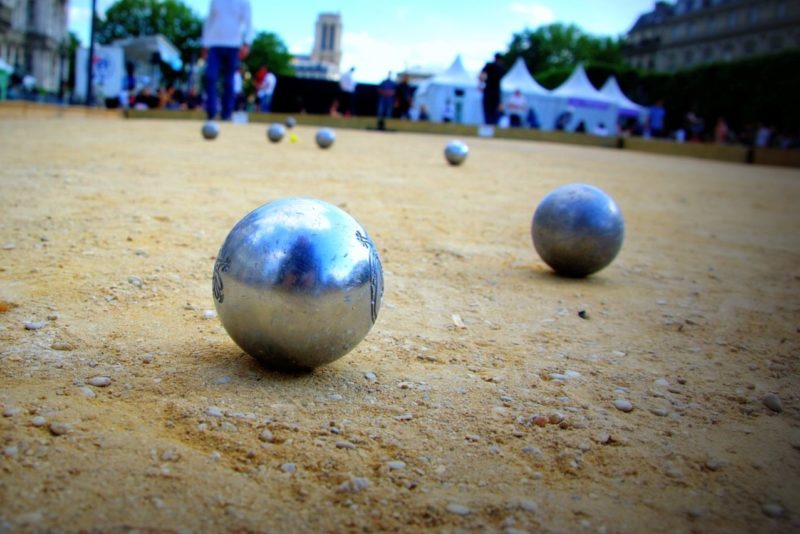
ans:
x=539 y=99
x=626 y=107
x=586 y=104
x=456 y=86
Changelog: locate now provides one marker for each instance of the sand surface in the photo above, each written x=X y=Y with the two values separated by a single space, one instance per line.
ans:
x=108 y=236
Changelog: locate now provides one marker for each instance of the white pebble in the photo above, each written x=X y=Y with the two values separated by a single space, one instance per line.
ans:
x=88 y=392
x=135 y=281
x=215 y=456
x=354 y=485
x=59 y=429
x=288 y=468
x=662 y=382
x=344 y=444
x=10 y=411
x=458 y=509
x=99 y=381
x=9 y=246
x=266 y=436
x=396 y=465
x=529 y=506
x=370 y=376
x=623 y=405
x=10 y=451
x=404 y=417
x=34 y=325
x=38 y=421
x=209 y=314
x=214 y=411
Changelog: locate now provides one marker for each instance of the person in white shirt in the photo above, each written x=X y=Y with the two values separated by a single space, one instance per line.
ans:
x=517 y=108
x=227 y=35
x=265 y=87
x=348 y=88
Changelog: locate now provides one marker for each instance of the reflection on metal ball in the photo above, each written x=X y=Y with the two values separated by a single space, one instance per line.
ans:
x=456 y=152
x=275 y=132
x=325 y=137
x=577 y=230
x=210 y=130
x=297 y=283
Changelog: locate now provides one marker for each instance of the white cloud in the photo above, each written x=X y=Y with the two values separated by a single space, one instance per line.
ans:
x=535 y=14
x=373 y=57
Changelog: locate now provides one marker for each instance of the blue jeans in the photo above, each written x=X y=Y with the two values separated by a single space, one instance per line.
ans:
x=221 y=60
x=266 y=103
x=385 y=104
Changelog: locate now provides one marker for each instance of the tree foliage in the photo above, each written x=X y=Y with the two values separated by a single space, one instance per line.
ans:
x=559 y=45
x=269 y=50
x=171 y=18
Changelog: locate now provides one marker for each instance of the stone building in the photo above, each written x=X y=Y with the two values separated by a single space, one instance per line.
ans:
x=324 y=61
x=688 y=33
x=33 y=38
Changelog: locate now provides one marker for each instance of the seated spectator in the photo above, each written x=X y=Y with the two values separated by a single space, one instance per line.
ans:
x=516 y=107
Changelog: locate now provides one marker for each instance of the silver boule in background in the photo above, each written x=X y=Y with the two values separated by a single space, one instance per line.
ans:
x=290 y=122
x=577 y=230
x=325 y=137
x=297 y=283
x=210 y=130
x=456 y=152
x=275 y=132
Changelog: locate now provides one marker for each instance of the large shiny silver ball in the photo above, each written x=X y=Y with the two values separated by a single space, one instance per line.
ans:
x=297 y=283
x=577 y=230
x=275 y=132
x=290 y=122
x=210 y=130
x=325 y=137
x=456 y=152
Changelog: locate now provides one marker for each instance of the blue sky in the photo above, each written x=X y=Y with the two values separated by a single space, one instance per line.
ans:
x=381 y=36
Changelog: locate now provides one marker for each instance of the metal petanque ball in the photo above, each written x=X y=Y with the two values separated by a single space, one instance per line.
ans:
x=577 y=229
x=275 y=132
x=297 y=283
x=210 y=130
x=290 y=122
x=325 y=137
x=456 y=152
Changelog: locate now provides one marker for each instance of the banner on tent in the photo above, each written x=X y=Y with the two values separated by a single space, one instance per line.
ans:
x=591 y=104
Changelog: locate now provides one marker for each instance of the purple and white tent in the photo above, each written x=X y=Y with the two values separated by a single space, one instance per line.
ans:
x=586 y=104
x=626 y=106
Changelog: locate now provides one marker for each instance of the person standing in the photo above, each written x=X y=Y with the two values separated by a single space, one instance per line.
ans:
x=490 y=78
x=404 y=95
x=347 y=89
x=656 y=119
x=265 y=88
x=386 y=91
x=227 y=35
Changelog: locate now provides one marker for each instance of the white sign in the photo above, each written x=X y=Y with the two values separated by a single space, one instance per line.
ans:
x=108 y=72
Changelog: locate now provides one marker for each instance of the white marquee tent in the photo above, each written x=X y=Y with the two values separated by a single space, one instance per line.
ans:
x=519 y=78
x=627 y=107
x=458 y=87
x=578 y=96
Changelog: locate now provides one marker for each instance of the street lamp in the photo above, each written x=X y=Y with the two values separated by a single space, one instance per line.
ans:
x=90 y=70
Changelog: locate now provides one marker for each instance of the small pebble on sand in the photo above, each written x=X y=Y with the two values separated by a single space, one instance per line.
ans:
x=10 y=411
x=458 y=509
x=289 y=468
x=34 y=325
x=209 y=314
x=623 y=405
x=370 y=376
x=38 y=421
x=59 y=429
x=773 y=402
x=344 y=444
x=395 y=465
x=266 y=436
x=99 y=381
x=214 y=411
x=135 y=281
x=773 y=510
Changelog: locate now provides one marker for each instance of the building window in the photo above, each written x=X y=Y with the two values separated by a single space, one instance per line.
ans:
x=31 y=14
x=781 y=9
x=753 y=15
x=688 y=57
x=689 y=28
x=776 y=43
x=732 y=19
x=331 y=37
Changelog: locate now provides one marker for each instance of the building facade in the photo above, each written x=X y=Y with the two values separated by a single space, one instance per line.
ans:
x=325 y=59
x=689 y=33
x=33 y=39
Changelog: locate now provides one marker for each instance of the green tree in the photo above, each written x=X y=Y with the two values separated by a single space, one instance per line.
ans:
x=558 y=45
x=171 y=18
x=269 y=50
